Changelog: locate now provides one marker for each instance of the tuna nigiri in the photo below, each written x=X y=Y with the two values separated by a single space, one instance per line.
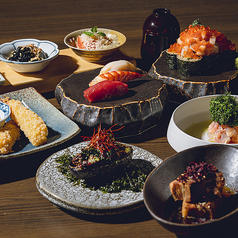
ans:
x=122 y=76
x=105 y=90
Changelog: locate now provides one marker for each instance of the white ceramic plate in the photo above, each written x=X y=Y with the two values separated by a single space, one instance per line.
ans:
x=60 y=127
x=54 y=186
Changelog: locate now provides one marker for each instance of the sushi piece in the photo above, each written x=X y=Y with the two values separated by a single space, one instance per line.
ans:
x=171 y=59
x=119 y=65
x=190 y=67
x=29 y=122
x=201 y=51
x=9 y=134
x=122 y=76
x=105 y=90
x=102 y=155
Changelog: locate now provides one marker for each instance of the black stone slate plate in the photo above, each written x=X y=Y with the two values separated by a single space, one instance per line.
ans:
x=139 y=110
x=193 y=86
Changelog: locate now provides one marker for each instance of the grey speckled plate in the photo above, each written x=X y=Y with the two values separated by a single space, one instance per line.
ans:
x=60 y=127
x=54 y=186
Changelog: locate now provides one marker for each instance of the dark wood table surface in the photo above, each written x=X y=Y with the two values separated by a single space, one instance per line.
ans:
x=24 y=212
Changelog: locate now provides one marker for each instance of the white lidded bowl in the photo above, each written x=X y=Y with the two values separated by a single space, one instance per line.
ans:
x=190 y=112
x=5 y=112
x=27 y=67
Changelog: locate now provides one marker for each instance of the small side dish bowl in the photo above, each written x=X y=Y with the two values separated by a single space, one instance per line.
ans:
x=95 y=56
x=5 y=112
x=50 y=48
x=156 y=192
x=193 y=114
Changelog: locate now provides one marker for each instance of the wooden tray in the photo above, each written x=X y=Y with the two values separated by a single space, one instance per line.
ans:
x=46 y=80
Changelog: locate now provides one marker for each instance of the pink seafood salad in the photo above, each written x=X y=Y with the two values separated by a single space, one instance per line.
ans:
x=224 y=115
x=94 y=40
x=222 y=133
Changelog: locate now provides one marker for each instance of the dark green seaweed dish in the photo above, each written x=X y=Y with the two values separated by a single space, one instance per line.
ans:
x=132 y=177
x=201 y=51
x=102 y=155
x=106 y=165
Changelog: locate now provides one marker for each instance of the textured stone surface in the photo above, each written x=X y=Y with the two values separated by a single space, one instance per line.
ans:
x=59 y=126
x=137 y=111
x=53 y=185
x=193 y=86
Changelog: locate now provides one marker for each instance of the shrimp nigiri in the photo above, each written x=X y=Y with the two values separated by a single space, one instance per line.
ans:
x=122 y=76
x=120 y=65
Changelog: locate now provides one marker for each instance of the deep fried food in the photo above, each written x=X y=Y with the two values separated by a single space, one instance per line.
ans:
x=9 y=134
x=29 y=122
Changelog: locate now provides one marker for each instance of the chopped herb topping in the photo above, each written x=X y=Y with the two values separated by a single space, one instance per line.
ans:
x=196 y=22
x=131 y=178
x=224 y=110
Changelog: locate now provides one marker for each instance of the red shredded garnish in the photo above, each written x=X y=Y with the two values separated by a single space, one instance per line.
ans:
x=103 y=139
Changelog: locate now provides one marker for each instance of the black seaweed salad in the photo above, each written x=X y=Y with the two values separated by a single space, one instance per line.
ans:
x=104 y=164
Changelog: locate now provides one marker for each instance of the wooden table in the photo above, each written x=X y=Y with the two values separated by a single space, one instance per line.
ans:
x=24 y=212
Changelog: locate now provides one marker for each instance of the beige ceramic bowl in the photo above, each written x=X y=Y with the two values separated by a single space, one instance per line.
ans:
x=95 y=56
x=191 y=112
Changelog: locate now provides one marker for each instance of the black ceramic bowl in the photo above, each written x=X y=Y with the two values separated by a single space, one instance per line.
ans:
x=156 y=189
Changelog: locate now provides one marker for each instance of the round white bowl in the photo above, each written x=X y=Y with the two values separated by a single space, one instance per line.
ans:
x=27 y=67
x=192 y=111
x=95 y=56
x=5 y=112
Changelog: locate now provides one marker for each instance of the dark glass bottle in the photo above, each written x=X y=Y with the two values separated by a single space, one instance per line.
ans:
x=160 y=30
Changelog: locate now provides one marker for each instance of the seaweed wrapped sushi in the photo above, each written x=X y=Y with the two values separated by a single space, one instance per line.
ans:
x=201 y=51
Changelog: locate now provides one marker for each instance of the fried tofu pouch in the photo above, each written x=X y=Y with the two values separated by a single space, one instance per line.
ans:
x=29 y=122
x=9 y=134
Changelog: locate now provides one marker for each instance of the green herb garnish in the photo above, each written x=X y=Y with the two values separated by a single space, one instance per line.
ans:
x=236 y=63
x=196 y=22
x=94 y=30
x=224 y=110
x=131 y=178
